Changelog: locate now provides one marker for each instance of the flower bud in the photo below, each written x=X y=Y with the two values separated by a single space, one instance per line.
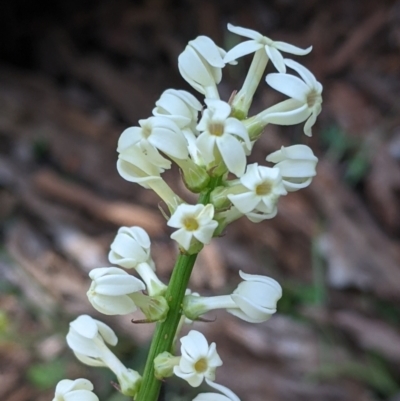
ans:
x=74 y=390
x=297 y=166
x=164 y=365
x=255 y=298
x=110 y=290
x=200 y=64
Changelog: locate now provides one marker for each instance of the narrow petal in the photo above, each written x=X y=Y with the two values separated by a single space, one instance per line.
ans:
x=276 y=58
x=288 y=48
x=289 y=85
x=224 y=390
x=291 y=117
x=310 y=123
x=306 y=74
x=246 y=32
x=242 y=49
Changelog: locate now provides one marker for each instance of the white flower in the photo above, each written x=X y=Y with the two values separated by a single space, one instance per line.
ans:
x=75 y=390
x=223 y=134
x=87 y=337
x=228 y=394
x=193 y=221
x=110 y=290
x=198 y=360
x=179 y=106
x=305 y=102
x=297 y=166
x=135 y=165
x=263 y=186
x=257 y=42
x=200 y=64
x=155 y=133
x=131 y=247
x=255 y=298
x=131 y=250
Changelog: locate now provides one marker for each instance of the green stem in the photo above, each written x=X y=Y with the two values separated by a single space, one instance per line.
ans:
x=164 y=334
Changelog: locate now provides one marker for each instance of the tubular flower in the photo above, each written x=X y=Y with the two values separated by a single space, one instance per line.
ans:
x=258 y=42
x=135 y=165
x=200 y=65
x=155 y=133
x=179 y=106
x=222 y=137
x=87 y=337
x=305 y=102
x=198 y=361
x=131 y=250
x=111 y=290
x=193 y=221
x=228 y=395
x=262 y=188
x=254 y=300
x=297 y=166
x=75 y=390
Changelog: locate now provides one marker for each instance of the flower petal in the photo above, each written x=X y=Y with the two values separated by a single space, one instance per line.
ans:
x=288 y=48
x=246 y=32
x=306 y=74
x=289 y=85
x=242 y=49
x=276 y=58
x=232 y=153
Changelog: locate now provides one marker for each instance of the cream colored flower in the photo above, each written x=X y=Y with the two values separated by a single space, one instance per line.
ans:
x=75 y=390
x=87 y=337
x=297 y=166
x=258 y=42
x=198 y=361
x=200 y=64
x=305 y=94
x=220 y=133
x=112 y=291
x=193 y=221
x=262 y=188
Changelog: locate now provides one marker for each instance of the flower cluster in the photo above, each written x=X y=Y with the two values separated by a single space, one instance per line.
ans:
x=209 y=141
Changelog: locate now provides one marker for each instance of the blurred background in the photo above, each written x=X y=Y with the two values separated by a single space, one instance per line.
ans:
x=74 y=74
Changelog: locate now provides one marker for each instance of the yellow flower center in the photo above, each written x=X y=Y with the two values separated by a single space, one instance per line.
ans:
x=216 y=129
x=190 y=223
x=264 y=189
x=201 y=365
x=311 y=98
